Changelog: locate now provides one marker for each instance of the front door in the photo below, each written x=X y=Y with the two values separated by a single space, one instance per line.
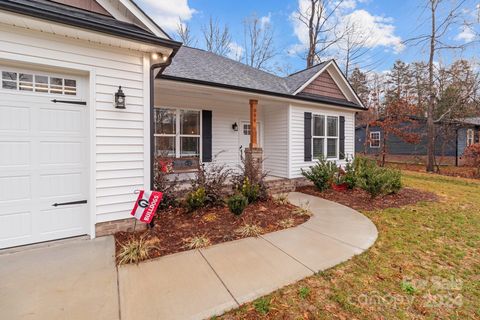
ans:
x=44 y=158
x=245 y=135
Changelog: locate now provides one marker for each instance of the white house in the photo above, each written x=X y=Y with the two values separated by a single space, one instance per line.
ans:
x=71 y=156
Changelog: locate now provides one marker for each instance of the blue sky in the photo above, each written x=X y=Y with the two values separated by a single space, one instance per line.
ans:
x=389 y=22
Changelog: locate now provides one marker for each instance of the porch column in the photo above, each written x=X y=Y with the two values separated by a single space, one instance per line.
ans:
x=253 y=152
x=253 y=124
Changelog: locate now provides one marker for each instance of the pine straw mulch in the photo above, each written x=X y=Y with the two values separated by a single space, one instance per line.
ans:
x=175 y=226
x=359 y=199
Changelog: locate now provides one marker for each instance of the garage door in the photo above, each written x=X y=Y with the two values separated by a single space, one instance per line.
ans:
x=44 y=157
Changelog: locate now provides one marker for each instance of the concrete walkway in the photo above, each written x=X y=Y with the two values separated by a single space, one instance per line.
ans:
x=58 y=284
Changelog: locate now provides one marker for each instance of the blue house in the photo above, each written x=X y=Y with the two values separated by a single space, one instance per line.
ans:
x=452 y=138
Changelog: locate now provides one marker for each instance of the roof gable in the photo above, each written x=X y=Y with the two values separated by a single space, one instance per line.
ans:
x=324 y=85
x=335 y=84
x=89 y=5
x=129 y=11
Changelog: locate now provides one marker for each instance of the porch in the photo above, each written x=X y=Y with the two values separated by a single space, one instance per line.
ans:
x=238 y=122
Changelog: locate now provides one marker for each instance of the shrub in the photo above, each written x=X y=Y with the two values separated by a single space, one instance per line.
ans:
x=213 y=180
x=196 y=199
x=237 y=204
x=281 y=199
x=197 y=242
x=249 y=230
x=250 y=191
x=135 y=250
x=350 y=175
x=472 y=156
x=165 y=182
x=262 y=305
x=321 y=174
x=253 y=171
x=377 y=181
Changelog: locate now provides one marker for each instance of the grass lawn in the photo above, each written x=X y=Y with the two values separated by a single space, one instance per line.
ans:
x=424 y=265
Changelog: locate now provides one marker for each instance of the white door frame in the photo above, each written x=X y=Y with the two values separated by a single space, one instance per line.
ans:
x=259 y=132
x=27 y=62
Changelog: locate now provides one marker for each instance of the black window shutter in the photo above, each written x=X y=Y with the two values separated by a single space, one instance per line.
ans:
x=342 y=138
x=206 y=136
x=308 y=136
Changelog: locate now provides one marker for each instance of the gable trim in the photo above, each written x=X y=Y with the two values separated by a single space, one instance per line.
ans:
x=137 y=12
x=342 y=76
x=315 y=76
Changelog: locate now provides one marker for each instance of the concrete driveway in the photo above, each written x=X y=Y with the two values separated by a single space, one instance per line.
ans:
x=78 y=279
x=73 y=279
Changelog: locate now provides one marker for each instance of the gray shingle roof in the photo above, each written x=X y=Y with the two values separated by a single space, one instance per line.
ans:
x=197 y=64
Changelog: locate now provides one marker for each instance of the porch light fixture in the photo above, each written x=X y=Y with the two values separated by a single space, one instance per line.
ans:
x=235 y=126
x=119 y=99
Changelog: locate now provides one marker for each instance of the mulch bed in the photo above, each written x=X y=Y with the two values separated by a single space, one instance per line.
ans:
x=359 y=199
x=174 y=226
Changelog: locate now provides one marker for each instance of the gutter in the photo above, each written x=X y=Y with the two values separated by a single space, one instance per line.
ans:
x=262 y=92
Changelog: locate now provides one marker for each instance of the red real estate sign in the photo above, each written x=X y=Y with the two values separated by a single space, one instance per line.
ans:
x=146 y=205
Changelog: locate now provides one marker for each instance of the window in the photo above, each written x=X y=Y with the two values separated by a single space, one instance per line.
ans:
x=246 y=129
x=375 y=139
x=38 y=83
x=177 y=135
x=324 y=136
x=470 y=137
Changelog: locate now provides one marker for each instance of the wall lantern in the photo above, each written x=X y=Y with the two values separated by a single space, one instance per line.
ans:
x=119 y=99
x=235 y=126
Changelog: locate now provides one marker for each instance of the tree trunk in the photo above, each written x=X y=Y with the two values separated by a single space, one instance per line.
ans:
x=431 y=104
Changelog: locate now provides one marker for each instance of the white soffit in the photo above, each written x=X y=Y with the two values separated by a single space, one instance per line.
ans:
x=44 y=26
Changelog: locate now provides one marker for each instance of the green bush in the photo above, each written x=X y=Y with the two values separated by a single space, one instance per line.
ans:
x=350 y=177
x=251 y=191
x=321 y=174
x=237 y=204
x=378 y=181
x=196 y=199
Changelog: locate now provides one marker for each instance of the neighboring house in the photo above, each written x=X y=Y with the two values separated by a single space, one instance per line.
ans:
x=71 y=157
x=451 y=140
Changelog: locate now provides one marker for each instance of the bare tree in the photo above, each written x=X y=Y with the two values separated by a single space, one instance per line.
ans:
x=439 y=25
x=258 y=42
x=319 y=18
x=217 y=38
x=353 y=46
x=184 y=34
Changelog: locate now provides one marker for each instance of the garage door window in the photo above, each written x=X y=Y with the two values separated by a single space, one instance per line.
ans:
x=38 y=83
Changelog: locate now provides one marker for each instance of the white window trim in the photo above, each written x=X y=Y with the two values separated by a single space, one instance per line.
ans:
x=177 y=133
x=40 y=73
x=325 y=137
x=379 y=139
x=470 y=137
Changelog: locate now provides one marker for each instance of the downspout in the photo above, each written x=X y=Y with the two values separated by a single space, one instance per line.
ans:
x=153 y=67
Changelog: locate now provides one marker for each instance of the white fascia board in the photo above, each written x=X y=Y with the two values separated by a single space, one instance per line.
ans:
x=146 y=20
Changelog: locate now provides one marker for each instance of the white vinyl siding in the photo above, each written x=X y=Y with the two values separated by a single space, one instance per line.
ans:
x=228 y=109
x=120 y=134
x=275 y=148
x=297 y=139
